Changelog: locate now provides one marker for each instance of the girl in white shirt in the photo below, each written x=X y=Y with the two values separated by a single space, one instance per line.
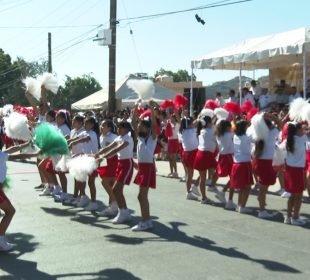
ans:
x=123 y=147
x=90 y=140
x=45 y=163
x=190 y=145
x=146 y=176
x=173 y=145
x=205 y=159
x=241 y=174
x=262 y=162
x=77 y=132
x=294 y=176
x=224 y=138
x=108 y=172
x=63 y=123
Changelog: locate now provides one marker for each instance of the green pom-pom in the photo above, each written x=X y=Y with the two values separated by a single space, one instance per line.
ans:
x=50 y=140
x=7 y=183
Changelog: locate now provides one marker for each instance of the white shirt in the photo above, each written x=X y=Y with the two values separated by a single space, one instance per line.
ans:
x=257 y=91
x=3 y=159
x=145 y=149
x=207 y=140
x=270 y=144
x=233 y=99
x=175 y=130
x=220 y=101
x=78 y=148
x=242 y=148
x=249 y=97
x=298 y=157
x=65 y=130
x=127 y=152
x=92 y=146
x=226 y=143
x=41 y=118
x=189 y=139
x=106 y=140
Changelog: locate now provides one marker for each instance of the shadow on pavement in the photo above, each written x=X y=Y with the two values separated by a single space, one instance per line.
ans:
x=164 y=233
x=19 y=269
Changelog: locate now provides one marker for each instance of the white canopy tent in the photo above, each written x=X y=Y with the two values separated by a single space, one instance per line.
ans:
x=266 y=52
x=124 y=96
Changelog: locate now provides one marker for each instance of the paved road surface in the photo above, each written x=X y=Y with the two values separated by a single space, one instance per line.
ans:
x=189 y=241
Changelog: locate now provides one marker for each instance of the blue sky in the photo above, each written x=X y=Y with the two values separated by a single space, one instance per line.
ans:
x=169 y=42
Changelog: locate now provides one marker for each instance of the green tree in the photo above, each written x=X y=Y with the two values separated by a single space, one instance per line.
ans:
x=180 y=76
x=73 y=90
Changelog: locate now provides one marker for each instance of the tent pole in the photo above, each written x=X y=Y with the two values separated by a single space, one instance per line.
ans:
x=305 y=76
x=240 y=85
x=191 y=94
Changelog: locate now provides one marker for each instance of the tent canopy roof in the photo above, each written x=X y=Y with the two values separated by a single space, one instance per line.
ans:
x=98 y=99
x=259 y=53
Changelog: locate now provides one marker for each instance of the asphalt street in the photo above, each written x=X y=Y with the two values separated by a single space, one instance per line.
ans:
x=189 y=240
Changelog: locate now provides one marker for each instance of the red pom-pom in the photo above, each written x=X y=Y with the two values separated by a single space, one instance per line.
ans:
x=146 y=114
x=252 y=112
x=233 y=108
x=180 y=101
x=24 y=110
x=169 y=130
x=247 y=106
x=166 y=104
x=211 y=104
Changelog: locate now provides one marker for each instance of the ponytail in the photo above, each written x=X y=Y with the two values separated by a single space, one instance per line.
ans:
x=202 y=123
x=259 y=147
x=291 y=132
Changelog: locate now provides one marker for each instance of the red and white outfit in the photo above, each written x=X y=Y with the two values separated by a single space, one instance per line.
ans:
x=173 y=141
x=190 y=145
x=241 y=175
x=125 y=163
x=294 y=175
x=205 y=156
x=262 y=166
x=226 y=152
x=146 y=176
x=108 y=171
x=3 y=159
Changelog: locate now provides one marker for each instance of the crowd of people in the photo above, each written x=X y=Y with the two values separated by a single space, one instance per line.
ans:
x=216 y=145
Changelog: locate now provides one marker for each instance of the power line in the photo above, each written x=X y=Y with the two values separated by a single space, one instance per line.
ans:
x=15 y=6
x=48 y=26
x=212 y=5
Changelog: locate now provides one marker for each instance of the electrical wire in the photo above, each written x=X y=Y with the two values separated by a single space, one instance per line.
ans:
x=212 y=5
x=133 y=38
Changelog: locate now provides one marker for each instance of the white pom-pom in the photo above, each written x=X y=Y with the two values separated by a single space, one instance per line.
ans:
x=16 y=127
x=62 y=164
x=144 y=88
x=258 y=129
x=33 y=87
x=305 y=114
x=81 y=167
x=296 y=109
x=7 y=109
x=207 y=112
x=221 y=113
x=279 y=155
x=49 y=81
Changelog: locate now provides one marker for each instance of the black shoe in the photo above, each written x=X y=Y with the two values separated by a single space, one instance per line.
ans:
x=39 y=187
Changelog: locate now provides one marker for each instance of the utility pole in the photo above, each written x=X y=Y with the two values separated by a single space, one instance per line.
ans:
x=112 y=57
x=50 y=69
